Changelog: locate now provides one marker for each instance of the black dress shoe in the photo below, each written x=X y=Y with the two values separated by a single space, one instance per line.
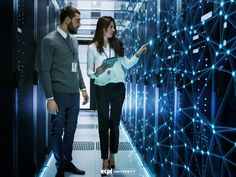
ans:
x=73 y=169
x=60 y=173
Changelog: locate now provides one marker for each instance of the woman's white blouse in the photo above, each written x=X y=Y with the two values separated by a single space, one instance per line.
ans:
x=114 y=74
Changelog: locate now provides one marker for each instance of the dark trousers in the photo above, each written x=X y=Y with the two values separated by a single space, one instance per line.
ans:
x=111 y=95
x=64 y=123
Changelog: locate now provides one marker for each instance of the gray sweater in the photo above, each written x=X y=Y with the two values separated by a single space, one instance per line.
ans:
x=56 y=65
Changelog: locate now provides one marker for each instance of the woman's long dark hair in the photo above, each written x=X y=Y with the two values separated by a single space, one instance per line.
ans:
x=114 y=42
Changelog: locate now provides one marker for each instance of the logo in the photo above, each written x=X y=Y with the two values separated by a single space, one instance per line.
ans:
x=129 y=172
x=108 y=172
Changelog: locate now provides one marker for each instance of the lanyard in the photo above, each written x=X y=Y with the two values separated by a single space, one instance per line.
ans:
x=71 y=47
x=109 y=53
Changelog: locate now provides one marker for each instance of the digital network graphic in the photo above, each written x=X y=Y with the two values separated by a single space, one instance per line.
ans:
x=180 y=107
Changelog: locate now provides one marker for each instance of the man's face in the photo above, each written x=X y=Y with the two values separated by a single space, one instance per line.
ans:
x=74 y=24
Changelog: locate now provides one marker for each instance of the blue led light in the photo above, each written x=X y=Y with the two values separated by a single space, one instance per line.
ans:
x=235 y=144
x=220 y=46
x=220 y=13
x=150 y=42
x=217 y=53
x=228 y=52
x=226 y=16
x=208 y=153
x=221 y=3
x=213 y=67
x=233 y=73
x=208 y=39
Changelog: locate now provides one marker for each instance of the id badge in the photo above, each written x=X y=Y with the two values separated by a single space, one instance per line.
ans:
x=74 y=67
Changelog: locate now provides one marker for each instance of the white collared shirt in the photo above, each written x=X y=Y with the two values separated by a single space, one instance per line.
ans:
x=63 y=33
x=114 y=74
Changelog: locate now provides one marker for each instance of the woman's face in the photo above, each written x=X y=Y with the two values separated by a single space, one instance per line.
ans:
x=110 y=30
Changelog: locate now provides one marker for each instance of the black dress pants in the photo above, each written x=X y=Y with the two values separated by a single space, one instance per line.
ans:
x=64 y=123
x=109 y=96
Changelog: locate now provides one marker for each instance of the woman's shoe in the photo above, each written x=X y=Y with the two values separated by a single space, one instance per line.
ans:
x=110 y=166
x=103 y=174
x=105 y=167
x=111 y=161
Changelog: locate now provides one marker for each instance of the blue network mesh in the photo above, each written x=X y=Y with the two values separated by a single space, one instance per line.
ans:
x=180 y=107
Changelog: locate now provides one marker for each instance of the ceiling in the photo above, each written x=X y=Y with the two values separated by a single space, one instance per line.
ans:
x=92 y=10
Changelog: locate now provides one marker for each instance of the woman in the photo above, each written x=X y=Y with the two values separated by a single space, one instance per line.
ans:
x=109 y=85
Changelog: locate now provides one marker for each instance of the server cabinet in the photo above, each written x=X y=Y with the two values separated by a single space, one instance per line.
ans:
x=7 y=91
x=24 y=119
x=193 y=58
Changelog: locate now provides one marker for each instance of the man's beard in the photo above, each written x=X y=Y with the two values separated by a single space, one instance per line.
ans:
x=71 y=29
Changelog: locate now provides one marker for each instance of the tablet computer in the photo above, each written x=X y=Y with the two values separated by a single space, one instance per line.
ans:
x=110 y=61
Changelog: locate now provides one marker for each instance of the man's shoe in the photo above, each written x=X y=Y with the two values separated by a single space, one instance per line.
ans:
x=60 y=173
x=73 y=169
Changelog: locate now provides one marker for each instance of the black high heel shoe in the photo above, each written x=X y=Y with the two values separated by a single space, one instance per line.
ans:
x=104 y=172
x=110 y=166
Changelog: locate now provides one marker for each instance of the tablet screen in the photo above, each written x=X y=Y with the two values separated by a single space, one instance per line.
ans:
x=110 y=61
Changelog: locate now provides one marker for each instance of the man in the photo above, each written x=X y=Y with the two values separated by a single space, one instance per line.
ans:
x=62 y=81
